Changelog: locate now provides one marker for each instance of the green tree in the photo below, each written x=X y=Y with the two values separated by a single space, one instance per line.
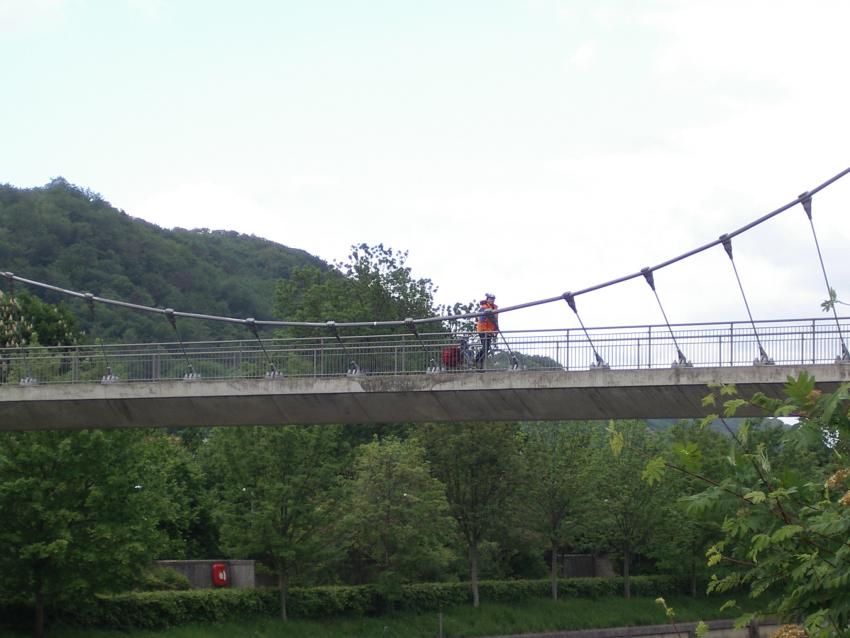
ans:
x=180 y=486
x=26 y=320
x=555 y=484
x=478 y=464
x=784 y=527
x=273 y=493
x=682 y=539
x=375 y=283
x=629 y=510
x=396 y=513
x=80 y=514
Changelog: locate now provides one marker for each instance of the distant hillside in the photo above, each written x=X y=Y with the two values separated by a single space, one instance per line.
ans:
x=70 y=237
x=734 y=423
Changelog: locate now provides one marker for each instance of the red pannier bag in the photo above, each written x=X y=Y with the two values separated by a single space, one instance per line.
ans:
x=451 y=356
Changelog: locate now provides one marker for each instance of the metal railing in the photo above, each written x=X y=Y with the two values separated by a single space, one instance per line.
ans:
x=797 y=342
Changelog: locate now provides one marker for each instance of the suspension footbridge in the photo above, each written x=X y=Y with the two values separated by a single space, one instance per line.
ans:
x=422 y=369
x=544 y=375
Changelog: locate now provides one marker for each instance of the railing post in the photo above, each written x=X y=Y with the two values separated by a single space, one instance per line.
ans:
x=567 y=366
x=638 y=353
x=75 y=366
x=403 y=353
x=649 y=349
x=720 y=350
x=814 y=334
x=731 y=344
x=319 y=364
x=557 y=350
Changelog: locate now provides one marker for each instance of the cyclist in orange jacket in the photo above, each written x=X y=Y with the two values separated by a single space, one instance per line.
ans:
x=487 y=326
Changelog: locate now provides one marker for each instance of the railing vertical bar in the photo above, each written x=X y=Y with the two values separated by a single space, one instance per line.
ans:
x=731 y=344
x=649 y=349
x=813 y=342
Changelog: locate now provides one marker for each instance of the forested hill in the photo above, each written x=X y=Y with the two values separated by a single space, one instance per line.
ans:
x=70 y=237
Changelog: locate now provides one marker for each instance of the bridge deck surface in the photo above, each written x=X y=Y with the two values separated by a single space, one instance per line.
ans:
x=469 y=396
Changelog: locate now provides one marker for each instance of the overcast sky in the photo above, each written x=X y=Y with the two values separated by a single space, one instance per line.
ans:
x=525 y=147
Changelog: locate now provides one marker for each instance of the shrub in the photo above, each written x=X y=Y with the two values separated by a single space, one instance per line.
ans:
x=159 y=578
x=161 y=609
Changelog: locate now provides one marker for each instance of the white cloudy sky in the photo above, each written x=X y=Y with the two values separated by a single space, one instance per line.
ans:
x=528 y=147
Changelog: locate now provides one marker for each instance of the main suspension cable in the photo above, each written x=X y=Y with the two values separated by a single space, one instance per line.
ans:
x=441 y=318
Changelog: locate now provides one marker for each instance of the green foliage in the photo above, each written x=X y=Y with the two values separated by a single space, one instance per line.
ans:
x=161 y=609
x=553 y=499
x=374 y=284
x=159 y=578
x=395 y=514
x=475 y=462
x=26 y=320
x=785 y=524
x=85 y=513
x=654 y=470
x=272 y=493
x=630 y=511
x=832 y=301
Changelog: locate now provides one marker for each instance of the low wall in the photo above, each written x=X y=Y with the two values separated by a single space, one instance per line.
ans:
x=240 y=573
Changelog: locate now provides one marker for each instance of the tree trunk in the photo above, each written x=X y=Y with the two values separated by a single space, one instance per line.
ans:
x=38 y=630
x=553 y=572
x=282 y=588
x=473 y=574
x=693 y=572
x=627 y=582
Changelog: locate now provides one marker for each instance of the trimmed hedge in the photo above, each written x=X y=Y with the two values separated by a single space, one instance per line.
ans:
x=161 y=609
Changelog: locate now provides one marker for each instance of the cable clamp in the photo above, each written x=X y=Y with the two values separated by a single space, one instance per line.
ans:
x=108 y=378
x=600 y=363
x=682 y=361
x=727 y=244
x=353 y=369
x=763 y=359
x=647 y=274
x=273 y=372
x=410 y=325
x=191 y=375
x=806 y=201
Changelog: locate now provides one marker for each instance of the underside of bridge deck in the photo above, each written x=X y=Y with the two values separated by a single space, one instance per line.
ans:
x=471 y=396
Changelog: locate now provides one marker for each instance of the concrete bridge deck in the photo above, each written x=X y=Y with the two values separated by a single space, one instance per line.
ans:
x=468 y=396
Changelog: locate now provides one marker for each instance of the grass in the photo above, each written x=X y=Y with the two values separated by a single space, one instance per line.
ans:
x=488 y=620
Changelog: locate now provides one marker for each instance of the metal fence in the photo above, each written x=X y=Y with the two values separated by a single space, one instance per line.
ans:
x=800 y=341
